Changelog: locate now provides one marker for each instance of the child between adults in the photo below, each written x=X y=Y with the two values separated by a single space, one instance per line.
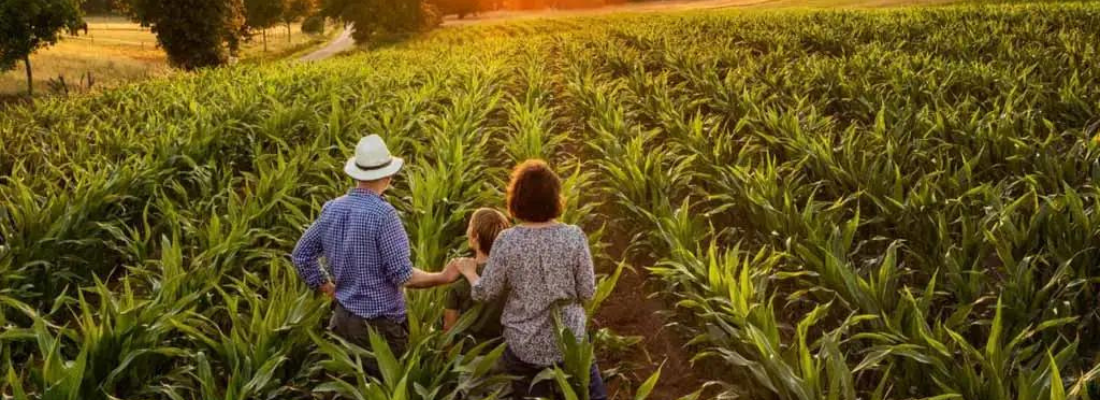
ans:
x=485 y=225
x=542 y=270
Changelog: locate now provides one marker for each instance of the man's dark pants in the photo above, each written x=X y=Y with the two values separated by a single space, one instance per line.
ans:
x=356 y=330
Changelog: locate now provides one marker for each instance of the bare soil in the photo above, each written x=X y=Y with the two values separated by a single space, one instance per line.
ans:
x=631 y=311
x=636 y=309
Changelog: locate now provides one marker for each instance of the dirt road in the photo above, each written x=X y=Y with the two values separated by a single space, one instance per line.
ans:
x=340 y=44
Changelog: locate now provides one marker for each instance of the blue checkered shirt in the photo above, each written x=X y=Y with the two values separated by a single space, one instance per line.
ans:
x=366 y=247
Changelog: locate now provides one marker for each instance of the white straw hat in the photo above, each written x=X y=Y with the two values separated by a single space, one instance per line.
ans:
x=372 y=160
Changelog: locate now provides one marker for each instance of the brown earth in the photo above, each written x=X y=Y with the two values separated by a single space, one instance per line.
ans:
x=632 y=312
x=635 y=309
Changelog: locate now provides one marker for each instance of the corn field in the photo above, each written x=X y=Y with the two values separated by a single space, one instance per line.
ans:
x=877 y=204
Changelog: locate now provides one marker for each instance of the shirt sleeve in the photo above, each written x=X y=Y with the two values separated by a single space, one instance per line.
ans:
x=393 y=246
x=308 y=251
x=585 y=274
x=495 y=276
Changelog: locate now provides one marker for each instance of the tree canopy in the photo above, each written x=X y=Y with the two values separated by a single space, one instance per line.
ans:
x=194 y=33
x=98 y=6
x=374 y=18
x=296 y=10
x=263 y=14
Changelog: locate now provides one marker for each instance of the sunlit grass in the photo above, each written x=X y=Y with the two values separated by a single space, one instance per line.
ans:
x=114 y=51
x=118 y=51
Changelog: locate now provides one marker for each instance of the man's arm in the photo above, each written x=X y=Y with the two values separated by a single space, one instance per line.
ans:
x=393 y=245
x=422 y=280
x=307 y=252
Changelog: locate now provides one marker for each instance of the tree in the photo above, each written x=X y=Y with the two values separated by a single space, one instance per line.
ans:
x=92 y=7
x=373 y=18
x=28 y=25
x=296 y=10
x=314 y=24
x=461 y=8
x=194 y=33
x=263 y=14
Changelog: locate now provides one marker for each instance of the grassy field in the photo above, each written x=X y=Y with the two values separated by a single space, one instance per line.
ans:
x=665 y=6
x=835 y=204
x=118 y=51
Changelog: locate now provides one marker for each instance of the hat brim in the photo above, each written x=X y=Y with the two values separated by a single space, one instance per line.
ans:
x=375 y=174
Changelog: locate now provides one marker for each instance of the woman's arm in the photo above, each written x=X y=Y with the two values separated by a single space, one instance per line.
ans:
x=585 y=274
x=492 y=284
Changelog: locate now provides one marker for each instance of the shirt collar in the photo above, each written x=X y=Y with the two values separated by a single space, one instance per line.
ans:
x=360 y=192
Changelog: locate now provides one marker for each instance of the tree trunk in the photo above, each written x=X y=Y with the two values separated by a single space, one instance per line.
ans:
x=288 y=32
x=30 y=75
x=264 y=30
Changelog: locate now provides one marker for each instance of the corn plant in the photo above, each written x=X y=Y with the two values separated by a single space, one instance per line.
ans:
x=876 y=203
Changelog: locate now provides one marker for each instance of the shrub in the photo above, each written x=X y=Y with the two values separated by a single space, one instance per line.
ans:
x=314 y=25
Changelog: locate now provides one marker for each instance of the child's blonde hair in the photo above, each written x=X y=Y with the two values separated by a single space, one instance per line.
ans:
x=487 y=224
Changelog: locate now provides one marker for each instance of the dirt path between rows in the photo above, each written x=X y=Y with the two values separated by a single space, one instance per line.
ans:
x=636 y=309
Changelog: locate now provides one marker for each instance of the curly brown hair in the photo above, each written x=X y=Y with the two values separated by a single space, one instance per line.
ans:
x=487 y=224
x=534 y=194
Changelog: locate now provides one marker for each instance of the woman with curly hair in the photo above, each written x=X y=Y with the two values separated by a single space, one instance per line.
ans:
x=541 y=267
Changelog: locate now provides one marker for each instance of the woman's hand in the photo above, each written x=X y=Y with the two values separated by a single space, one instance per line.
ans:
x=467 y=266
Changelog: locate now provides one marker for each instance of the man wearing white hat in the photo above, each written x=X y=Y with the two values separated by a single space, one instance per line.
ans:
x=362 y=238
